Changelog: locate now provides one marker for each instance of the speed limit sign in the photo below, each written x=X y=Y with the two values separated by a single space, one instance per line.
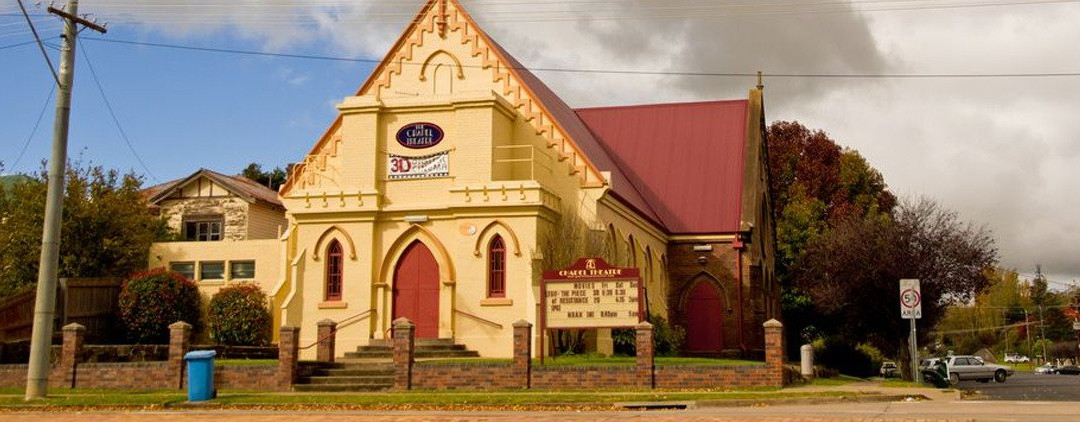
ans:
x=910 y=299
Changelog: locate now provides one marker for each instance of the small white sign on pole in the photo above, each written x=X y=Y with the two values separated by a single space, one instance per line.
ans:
x=910 y=299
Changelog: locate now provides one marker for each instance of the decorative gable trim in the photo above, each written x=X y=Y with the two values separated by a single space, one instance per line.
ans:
x=512 y=86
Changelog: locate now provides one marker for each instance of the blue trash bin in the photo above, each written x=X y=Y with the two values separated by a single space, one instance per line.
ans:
x=200 y=367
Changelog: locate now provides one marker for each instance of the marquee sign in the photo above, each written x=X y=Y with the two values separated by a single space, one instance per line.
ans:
x=420 y=135
x=592 y=294
x=426 y=167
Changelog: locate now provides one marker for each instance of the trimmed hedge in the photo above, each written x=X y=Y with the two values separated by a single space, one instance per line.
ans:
x=239 y=316
x=152 y=300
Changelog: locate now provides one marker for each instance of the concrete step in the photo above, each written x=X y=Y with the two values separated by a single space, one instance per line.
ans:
x=357 y=372
x=340 y=387
x=418 y=353
x=417 y=347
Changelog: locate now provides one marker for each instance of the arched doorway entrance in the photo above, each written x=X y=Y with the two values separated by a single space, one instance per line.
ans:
x=704 y=319
x=416 y=289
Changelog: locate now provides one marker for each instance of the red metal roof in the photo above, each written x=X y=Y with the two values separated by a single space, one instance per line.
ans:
x=685 y=161
x=568 y=119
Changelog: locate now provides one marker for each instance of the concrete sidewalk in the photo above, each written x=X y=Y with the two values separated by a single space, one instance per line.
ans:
x=874 y=387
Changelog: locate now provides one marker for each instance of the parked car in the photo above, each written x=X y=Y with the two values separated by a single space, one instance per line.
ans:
x=967 y=367
x=1046 y=369
x=888 y=369
x=929 y=363
x=1016 y=358
x=1068 y=370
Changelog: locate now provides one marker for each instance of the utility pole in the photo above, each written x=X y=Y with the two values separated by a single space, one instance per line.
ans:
x=1042 y=334
x=37 y=378
x=1027 y=330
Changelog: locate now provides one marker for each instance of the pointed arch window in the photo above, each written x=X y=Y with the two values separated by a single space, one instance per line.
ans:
x=334 y=264
x=496 y=267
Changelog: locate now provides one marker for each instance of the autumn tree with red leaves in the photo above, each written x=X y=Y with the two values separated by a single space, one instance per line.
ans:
x=844 y=242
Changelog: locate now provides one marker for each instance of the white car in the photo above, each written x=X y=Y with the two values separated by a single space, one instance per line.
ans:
x=967 y=367
x=1046 y=369
x=1016 y=358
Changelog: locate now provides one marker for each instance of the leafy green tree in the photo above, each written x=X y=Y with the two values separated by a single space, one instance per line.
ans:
x=272 y=179
x=850 y=272
x=814 y=185
x=106 y=229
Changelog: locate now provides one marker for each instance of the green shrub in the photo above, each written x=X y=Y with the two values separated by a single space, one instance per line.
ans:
x=152 y=300
x=667 y=339
x=841 y=355
x=239 y=316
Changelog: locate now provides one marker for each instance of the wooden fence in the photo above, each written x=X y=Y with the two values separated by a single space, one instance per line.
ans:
x=91 y=302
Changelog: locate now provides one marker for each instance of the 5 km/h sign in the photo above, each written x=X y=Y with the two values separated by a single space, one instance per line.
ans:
x=910 y=299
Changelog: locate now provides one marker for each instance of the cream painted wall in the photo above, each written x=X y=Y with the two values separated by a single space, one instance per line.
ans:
x=265 y=253
x=341 y=191
x=265 y=222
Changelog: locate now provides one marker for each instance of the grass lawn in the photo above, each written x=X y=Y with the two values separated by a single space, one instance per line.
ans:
x=896 y=383
x=597 y=360
x=835 y=381
x=156 y=399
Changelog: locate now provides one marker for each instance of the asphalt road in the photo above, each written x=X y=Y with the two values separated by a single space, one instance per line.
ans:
x=928 y=411
x=1027 y=386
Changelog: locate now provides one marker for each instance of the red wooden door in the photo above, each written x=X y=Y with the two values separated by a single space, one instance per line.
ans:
x=416 y=289
x=704 y=325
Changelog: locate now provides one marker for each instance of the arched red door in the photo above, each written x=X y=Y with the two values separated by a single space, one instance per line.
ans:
x=704 y=319
x=416 y=289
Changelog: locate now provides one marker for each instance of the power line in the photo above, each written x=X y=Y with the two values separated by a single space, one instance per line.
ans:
x=622 y=72
x=17 y=44
x=36 y=37
x=52 y=88
x=116 y=121
x=201 y=12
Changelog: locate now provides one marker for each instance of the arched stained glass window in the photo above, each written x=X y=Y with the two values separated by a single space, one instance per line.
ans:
x=334 y=264
x=497 y=267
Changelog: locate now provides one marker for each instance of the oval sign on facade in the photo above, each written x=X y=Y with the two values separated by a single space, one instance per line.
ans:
x=420 y=135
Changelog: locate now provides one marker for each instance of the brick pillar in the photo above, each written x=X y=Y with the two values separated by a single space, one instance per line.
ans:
x=404 y=342
x=645 y=352
x=179 y=343
x=288 y=357
x=523 y=353
x=774 y=351
x=69 y=354
x=327 y=334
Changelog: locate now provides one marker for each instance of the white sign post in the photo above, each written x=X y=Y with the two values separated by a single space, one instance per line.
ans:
x=911 y=309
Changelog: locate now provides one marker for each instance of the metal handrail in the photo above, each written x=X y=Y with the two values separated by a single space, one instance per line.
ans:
x=486 y=321
x=342 y=324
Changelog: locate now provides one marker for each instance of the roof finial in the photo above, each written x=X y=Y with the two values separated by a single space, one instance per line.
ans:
x=441 y=18
x=760 y=85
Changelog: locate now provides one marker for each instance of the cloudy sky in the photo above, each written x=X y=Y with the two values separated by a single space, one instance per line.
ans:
x=927 y=90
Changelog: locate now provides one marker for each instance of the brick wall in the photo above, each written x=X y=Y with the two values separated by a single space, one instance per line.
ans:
x=643 y=374
x=246 y=377
x=464 y=377
x=413 y=375
x=584 y=377
x=69 y=370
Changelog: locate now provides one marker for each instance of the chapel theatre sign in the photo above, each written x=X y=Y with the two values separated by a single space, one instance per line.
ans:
x=592 y=294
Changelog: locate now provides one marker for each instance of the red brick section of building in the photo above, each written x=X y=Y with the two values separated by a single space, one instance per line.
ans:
x=699 y=172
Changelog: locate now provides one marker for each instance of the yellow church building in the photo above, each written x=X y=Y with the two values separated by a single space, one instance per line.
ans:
x=454 y=177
